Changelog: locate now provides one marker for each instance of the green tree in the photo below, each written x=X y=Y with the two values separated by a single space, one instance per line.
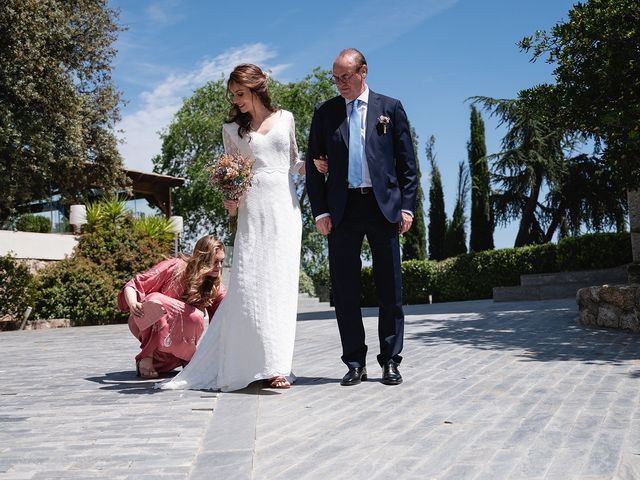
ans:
x=531 y=159
x=481 y=230
x=194 y=139
x=586 y=194
x=582 y=190
x=597 y=77
x=456 y=237
x=415 y=240
x=58 y=104
x=437 y=213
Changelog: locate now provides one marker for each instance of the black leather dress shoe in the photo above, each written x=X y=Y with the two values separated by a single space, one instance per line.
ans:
x=354 y=376
x=391 y=374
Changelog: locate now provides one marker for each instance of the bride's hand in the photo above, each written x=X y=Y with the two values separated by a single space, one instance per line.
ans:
x=231 y=206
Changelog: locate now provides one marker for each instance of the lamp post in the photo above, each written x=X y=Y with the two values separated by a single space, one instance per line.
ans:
x=177 y=225
x=77 y=217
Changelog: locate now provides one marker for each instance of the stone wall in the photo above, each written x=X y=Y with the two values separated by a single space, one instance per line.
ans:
x=614 y=306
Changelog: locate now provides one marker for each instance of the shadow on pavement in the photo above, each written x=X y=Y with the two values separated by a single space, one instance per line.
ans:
x=127 y=382
x=315 y=381
x=321 y=315
x=543 y=334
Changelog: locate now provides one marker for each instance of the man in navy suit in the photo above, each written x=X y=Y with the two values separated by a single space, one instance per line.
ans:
x=370 y=190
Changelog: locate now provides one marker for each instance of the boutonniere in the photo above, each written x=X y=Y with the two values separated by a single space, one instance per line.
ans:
x=384 y=121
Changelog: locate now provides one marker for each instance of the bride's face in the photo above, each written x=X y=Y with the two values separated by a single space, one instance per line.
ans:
x=242 y=97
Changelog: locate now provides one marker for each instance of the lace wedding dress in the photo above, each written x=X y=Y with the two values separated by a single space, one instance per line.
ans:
x=252 y=333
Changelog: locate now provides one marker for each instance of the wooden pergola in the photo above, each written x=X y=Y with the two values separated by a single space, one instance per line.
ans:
x=154 y=187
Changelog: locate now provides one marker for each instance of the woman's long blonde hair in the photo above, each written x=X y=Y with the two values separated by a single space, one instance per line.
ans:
x=200 y=289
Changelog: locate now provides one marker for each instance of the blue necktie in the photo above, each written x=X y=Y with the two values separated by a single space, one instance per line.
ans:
x=355 y=145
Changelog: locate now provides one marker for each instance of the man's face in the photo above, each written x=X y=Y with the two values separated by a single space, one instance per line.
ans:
x=216 y=268
x=348 y=80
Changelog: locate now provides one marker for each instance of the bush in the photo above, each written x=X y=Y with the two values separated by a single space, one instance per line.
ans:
x=122 y=251
x=597 y=250
x=77 y=289
x=419 y=280
x=16 y=287
x=33 y=223
x=322 y=283
x=305 y=284
x=473 y=276
x=84 y=287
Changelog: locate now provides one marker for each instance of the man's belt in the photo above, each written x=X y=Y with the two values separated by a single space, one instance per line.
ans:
x=362 y=190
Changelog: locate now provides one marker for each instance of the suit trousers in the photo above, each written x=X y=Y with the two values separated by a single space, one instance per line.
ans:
x=362 y=217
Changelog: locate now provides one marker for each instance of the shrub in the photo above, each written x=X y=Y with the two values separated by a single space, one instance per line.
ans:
x=322 y=283
x=419 y=280
x=114 y=248
x=77 y=289
x=123 y=251
x=305 y=284
x=597 y=250
x=33 y=223
x=16 y=287
x=474 y=275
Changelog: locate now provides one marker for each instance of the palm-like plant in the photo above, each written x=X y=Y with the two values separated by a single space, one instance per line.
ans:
x=108 y=212
x=159 y=228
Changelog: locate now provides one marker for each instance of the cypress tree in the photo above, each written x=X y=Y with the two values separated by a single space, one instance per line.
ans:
x=456 y=237
x=415 y=240
x=481 y=237
x=437 y=214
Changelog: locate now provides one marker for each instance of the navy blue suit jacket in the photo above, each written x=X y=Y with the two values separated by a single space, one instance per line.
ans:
x=390 y=157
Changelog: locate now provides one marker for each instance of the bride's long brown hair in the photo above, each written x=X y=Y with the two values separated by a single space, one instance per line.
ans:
x=252 y=77
x=200 y=289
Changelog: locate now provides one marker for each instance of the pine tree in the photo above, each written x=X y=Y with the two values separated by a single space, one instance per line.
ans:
x=437 y=214
x=415 y=240
x=481 y=237
x=456 y=237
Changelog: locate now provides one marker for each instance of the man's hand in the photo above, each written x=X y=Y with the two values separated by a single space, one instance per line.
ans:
x=405 y=223
x=322 y=164
x=323 y=225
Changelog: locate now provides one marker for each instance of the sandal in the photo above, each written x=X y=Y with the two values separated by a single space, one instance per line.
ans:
x=279 y=382
x=145 y=372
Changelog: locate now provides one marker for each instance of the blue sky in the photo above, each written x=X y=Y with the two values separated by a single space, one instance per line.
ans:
x=431 y=54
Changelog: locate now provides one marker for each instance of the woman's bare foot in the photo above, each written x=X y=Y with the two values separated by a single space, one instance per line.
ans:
x=145 y=368
x=279 y=382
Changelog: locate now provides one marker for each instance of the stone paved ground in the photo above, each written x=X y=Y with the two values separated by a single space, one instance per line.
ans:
x=492 y=391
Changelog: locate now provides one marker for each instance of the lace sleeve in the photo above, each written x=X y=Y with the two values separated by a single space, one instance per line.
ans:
x=228 y=143
x=295 y=162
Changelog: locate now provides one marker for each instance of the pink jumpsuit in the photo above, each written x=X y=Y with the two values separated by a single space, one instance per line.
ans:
x=171 y=341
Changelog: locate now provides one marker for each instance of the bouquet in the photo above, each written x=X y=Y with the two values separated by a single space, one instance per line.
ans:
x=230 y=174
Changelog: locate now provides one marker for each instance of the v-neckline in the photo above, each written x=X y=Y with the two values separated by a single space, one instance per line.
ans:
x=275 y=124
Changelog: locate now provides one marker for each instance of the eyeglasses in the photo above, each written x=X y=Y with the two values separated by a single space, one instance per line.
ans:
x=346 y=78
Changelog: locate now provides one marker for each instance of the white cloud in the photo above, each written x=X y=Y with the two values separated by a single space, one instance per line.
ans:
x=141 y=128
x=165 y=12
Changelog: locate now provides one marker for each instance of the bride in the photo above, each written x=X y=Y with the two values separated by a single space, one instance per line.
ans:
x=251 y=335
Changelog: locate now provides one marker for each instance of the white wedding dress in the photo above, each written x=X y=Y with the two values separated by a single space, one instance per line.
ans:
x=252 y=333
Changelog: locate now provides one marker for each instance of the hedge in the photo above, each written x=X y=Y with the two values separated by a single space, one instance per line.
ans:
x=472 y=276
